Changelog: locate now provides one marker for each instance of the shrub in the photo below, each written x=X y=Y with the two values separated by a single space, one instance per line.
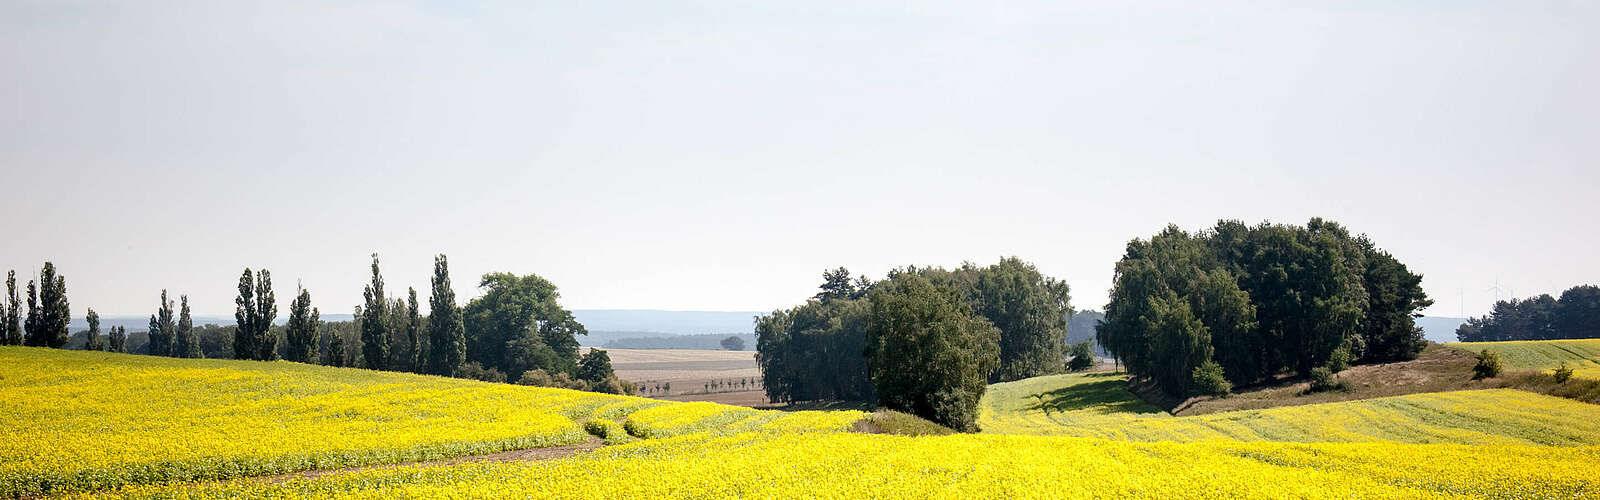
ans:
x=537 y=378
x=1339 y=360
x=476 y=371
x=597 y=429
x=1563 y=373
x=1323 y=380
x=1082 y=357
x=1488 y=366
x=1208 y=380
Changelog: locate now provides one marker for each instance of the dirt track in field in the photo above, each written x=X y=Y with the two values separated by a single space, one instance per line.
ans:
x=528 y=455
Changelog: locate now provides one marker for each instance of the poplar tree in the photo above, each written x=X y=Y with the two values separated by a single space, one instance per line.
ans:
x=255 y=308
x=33 y=327
x=188 y=342
x=11 y=327
x=447 y=336
x=54 y=313
x=118 y=339
x=414 y=332
x=170 y=345
x=374 y=330
x=93 y=342
x=301 y=332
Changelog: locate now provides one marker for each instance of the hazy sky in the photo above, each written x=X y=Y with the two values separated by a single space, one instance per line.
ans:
x=719 y=156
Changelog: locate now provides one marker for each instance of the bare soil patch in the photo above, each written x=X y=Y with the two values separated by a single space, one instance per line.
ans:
x=1437 y=369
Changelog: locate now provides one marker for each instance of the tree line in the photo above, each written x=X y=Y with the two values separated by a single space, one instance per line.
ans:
x=1236 y=304
x=1576 y=315
x=924 y=340
x=517 y=331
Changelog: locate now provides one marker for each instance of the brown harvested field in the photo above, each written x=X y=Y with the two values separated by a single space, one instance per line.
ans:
x=688 y=371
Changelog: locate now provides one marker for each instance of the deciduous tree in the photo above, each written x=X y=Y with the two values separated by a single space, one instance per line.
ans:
x=374 y=324
x=447 y=345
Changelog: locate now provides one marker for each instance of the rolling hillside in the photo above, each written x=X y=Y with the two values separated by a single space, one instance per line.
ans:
x=1582 y=355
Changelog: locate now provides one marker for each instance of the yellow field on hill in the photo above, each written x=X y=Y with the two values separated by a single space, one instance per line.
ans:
x=123 y=426
x=75 y=420
x=1582 y=355
x=1097 y=406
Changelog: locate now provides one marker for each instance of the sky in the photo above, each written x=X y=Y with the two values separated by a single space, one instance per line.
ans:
x=721 y=155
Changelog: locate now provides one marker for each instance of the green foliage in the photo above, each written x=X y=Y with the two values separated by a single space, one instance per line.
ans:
x=255 y=308
x=516 y=306
x=117 y=339
x=93 y=343
x=48 y=311
x=1323 y=380
x=902 y=424
x=815 y=351
x=301 y=331
x=10 y=325
x=1576 y=315
x=163 y=332
x=187 y=342
x=416 y=344
x=928 y=354
x=1208 y=380
x=733 y=343
x=528 y=352
x=1488 y=365
x=336 y=352
x=1267 y=299
x=1562 y=373
x=1030 y=310
x=447 y=343
x=374 y=327
x=476 y=371
x=595 y=366
x=1082 y=357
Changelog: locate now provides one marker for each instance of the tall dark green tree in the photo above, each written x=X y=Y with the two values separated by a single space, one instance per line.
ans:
x=48 y=311
x=595 y=366
x=93 y=342
x=164 y=331
x=10 y=320
x=447 y=343
x=256 y=307
x=374 y=324
x=1578 y=313
x=415 y=341
x=118 y=339
x=513 y=307
x=1394 y=295
x=186 y=343
x=301 y=332
x=1031 y=310
x=929 y=355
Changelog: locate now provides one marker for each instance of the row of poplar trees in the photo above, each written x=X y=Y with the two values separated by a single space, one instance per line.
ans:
x=925 y=340
x=1236 y=304
x=45 y=324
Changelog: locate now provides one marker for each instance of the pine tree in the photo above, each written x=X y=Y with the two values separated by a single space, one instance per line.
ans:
x=447 y=337
x=188 y=342
x=374 y=331
x=8 y=315
x=301 y=332
x=119 y=339
x=93 y=343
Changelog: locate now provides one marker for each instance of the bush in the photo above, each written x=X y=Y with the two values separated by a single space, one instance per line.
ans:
x=1339 y=360
x=1323 y=380
x=1563 y=373
x=476 y=371
x=1208 y=380
x=1488 y=366
x=1082 y=357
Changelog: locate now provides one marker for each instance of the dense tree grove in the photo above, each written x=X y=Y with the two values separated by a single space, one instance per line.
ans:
x=1257 y=301
x=1030 y=310
x=1576 y=315
x=255 y=308
x=447 y=337
x=117 y=339
x=928 y=354
x=817 y=350
x=518 y=325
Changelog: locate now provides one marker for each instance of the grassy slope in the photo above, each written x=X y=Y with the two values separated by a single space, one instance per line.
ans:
x=1582 y=355
x=90 y=420
x=1097 y=405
